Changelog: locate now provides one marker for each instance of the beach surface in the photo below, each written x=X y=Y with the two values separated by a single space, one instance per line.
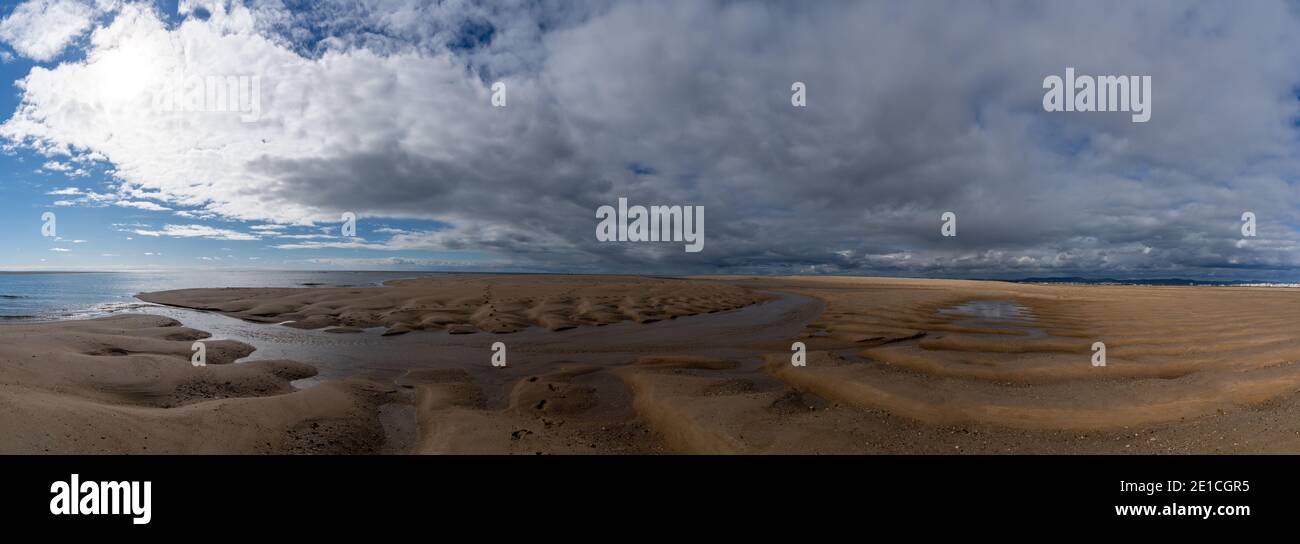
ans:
x=618 y=364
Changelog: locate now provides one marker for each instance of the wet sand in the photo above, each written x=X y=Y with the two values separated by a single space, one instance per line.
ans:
x=650 y=365
x=464 y=304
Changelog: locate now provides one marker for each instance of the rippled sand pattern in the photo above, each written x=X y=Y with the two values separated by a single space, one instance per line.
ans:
x=1173 y=353
x=465 y=304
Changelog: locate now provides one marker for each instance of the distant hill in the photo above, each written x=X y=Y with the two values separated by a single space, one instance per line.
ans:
x=1150 y=281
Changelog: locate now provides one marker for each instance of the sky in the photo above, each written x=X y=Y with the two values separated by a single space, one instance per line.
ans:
x=384 y=109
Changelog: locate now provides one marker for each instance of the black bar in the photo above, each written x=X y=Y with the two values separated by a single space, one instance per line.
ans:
x=236 y=494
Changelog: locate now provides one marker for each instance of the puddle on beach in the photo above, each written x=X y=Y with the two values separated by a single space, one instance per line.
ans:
x=995 y=314
x=999 y=310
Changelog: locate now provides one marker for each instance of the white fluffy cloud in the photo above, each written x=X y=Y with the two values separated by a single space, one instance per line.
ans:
x=42 y=29
x=142 y=205
x=312 y=110
x=195 y=231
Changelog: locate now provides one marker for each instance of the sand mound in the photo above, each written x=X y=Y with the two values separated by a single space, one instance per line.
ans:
x=125 y=384
x=684 y=362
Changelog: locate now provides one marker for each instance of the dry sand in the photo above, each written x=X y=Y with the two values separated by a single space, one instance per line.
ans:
x=892 y=368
